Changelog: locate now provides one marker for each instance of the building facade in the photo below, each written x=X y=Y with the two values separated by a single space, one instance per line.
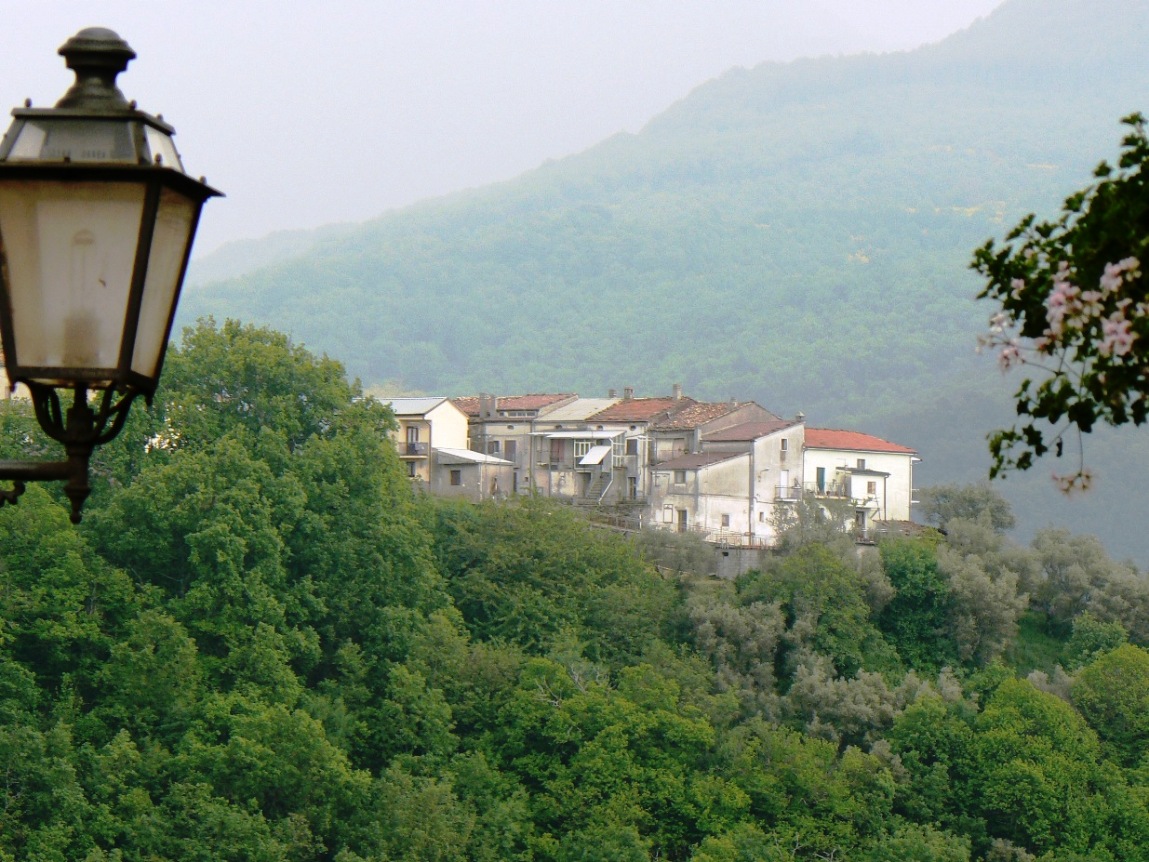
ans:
x=424 y=424
x=873 y=476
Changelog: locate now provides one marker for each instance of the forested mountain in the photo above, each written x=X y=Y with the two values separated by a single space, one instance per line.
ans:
x=798 y=234
x=264 y=645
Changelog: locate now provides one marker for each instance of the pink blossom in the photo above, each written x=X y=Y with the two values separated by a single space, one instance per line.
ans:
x=1091 y=303
x=1009 y=356
x=1114 y=273
x=1117 y=336
x=1081 y=480
x=1018 y=286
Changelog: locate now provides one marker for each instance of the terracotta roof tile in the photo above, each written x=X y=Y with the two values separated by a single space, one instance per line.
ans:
x=697 y=460
x=469 y=404
x=642 y=409
x=748 y=431
x=832 y=438
x=698 y=413
x=531 y=402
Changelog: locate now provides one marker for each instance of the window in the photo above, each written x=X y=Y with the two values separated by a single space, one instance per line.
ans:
x=510 y=449
x=861 y=463
x=581 y=447
x=493 y=447
x=456 y=477
x=872 y=489
x=412 y=433
x=631 y=445
x=679 y=477
x=411 y=469
x=785 y=444
x=725 y=522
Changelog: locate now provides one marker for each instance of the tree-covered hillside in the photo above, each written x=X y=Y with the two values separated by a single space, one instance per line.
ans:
x=263 y=645
x=795 y=234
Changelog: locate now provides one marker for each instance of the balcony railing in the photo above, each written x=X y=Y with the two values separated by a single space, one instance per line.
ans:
x=414 y=449
x=840 y=490
x=793 y=492
x=788 y=492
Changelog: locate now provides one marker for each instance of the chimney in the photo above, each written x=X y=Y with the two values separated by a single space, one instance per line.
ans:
x=627 y=393
x=677 y=390
x=487 y=406
x=612 y=393
x=801 y=417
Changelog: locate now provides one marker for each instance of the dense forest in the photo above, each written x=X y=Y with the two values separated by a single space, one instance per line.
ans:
x=264 y=644
x=796 y=234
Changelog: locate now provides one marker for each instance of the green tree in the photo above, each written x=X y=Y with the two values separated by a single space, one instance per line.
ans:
x=933 y=740
x=1112 y=692
x=632 y=757
x=221 y=377
x=824 y=608
x=1092 y=637
x=942 y=503
x=917 y=619
x=807 y=793
x=532 y=571
x=985 y=604
x=911 y=842
x=1035 y=772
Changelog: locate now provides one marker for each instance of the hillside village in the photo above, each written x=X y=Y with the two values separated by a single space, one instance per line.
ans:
x=726 y=471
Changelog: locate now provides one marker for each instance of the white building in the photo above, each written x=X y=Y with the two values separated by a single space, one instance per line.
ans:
x=874 y=475
x=729 y=492
x=732 y=491
x=426 y=423
x=431 y=441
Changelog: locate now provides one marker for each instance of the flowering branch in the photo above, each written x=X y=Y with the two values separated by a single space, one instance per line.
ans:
x=1074 y=309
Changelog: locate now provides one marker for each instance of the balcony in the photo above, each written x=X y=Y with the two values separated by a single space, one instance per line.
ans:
x=413 y=450
x=838 y=490
x=794 y=492
x=788 y=493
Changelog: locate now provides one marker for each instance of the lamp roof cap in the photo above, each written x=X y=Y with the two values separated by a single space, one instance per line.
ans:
x=97 y=55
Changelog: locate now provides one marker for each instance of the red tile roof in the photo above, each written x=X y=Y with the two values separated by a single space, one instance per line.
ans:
x=831 y=438
x=747 y=431
x=642 y=409
x=469 y=404
x=695 y=414
x=697 y=460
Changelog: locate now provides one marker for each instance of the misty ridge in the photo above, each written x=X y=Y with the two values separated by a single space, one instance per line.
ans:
x=795 y=234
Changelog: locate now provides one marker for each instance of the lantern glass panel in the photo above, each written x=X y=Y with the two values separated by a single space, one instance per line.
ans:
x=70 y=249
x=174 y=222
x=163 y=146
x=75 y=141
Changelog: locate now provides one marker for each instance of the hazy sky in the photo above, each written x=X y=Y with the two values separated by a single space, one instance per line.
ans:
x=311 y=113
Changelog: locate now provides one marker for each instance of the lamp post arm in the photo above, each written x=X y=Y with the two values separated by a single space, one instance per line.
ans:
x=73 y=472
x=19 y=472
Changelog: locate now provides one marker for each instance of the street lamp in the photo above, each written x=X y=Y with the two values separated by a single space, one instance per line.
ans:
x=97 y=218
